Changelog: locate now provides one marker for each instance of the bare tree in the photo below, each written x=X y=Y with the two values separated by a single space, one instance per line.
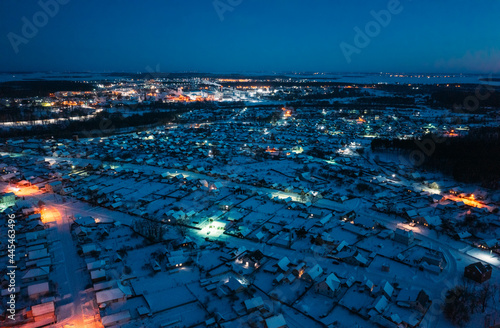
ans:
x=152 y=230
x=485 y=293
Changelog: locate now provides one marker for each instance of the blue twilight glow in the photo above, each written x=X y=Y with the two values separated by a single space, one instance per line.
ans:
x=250 y=35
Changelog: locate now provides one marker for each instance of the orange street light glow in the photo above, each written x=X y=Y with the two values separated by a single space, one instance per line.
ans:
x=50 y=214
x=470 y=201
x=23 y=191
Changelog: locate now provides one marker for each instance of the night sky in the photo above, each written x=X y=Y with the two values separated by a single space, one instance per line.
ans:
x=250 y=35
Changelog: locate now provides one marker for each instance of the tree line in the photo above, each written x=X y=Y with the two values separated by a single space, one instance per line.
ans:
x=473 y=158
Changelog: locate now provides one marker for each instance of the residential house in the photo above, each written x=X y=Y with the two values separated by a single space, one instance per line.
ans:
x=177 y=259
x=329 y=286
x=478 y=272
x=277 y=321
x=312 y=274
x=54 y=187
x=283 y=264
x=413 y=298
x=36 y=291
x=8 y=199
x=110 y=296
x=44 y=312
x=232 y=286
x=254 y=304
x=403 y=236
x=116 y=319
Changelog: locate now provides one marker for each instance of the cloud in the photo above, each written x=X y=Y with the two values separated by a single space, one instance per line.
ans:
x=481 y=61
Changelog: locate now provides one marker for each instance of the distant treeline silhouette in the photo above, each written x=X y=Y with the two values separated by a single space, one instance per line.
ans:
x=472 y=158
x=125 y=116
x=484 y=98
x=387 y=100
x=40 y=88
x=102 y=124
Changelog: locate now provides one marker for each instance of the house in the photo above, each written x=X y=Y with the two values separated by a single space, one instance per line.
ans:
x=38 y=290
x=86 y=221
x=36 y=274
x=28 y=211
x=89 y=249
x=260 y=236
x=329 y=286
x=414 y=299
x=8 y=199
x=412 y=214
x=429 y=220
x=253 y=259
x=352 y=257
x=155 y=265
x=38 y=254
x=277 y=321
x=488 y=244
x=183 y=242
x=299 y=269
x=313 y=273
x=349 y=282
x=341 y=246
x=462 y=235
x=96 y=265
x=44 y=312
x=386 y=289
x=116 y=319
x=380 y=304
x=283 y=264
x=254 y=304
x=110 y=296
x=366 y=222
x=98 y=275
x=232 y=286
x=369 y=285
x=403 y=236
x=177 y=259
x=143 y=311
x=54 y=187
x=434 y=258
x=289 y=278
x=359 y=260
x=478 y=272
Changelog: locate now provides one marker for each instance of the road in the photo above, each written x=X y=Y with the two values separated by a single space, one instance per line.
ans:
x=74 y=305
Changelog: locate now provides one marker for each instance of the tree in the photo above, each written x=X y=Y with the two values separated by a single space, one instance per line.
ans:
x=485 y=293
x=182 y=225
x=301 y=233
x=462 y=301
x=152 y=230
x=363 y=187
x=456 y=308
x=302 y=196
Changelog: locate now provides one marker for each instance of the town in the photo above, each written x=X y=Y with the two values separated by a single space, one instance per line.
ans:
x=245 y=201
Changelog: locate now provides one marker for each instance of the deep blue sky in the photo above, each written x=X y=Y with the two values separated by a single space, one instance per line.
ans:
x=257 y=35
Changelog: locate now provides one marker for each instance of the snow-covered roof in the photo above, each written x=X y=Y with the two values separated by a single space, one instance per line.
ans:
x=109 y=295
x=283 y=263
x=315 y=272
x=380 y=303
x=276 y=322
x=42 y=309
x=254 y=303
x=332 y=281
